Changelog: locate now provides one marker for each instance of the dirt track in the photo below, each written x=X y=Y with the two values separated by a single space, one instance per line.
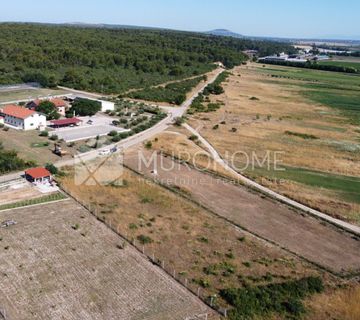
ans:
x=308 y=237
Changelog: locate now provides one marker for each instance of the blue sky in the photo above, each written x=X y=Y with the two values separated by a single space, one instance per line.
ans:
x=305 y=18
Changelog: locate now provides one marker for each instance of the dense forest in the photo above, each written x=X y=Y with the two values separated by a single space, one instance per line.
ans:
x=114 y=60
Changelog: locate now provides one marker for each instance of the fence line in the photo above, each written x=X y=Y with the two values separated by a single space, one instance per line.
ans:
x=151 y=256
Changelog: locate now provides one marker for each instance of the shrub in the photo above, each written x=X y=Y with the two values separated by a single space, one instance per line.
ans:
x=281 y=298
x=179 y=121
x=54 y=137
x=215 y=127
x=133 y=226
x=116 y=138
x=112 y=133
x=301 y=135
x=203 y=239
x=148 y=145
x=51 y=168
x=145 y=239
x=44 y=133
x=202 y=282
x=193 y=137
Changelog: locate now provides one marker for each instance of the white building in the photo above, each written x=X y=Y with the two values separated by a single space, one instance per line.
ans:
x=22 y=118
x=107 y=105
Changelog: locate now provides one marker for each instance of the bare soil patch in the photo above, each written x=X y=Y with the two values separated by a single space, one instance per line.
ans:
x=59 y=262
x=302 y=234
x=209 y=252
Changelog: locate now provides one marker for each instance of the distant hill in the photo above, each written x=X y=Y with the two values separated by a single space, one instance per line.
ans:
x=225 y=33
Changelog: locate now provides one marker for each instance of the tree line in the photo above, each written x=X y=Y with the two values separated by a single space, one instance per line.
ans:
x=114 y=60
x=313 y=65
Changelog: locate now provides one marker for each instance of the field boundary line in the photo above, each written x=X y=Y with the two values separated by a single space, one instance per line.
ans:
x=151 y=258
x=34 y=205
x=348 y=275
x=264 y=190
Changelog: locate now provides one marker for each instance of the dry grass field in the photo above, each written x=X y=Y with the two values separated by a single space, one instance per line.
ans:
x=20 y=94
x=273 y=109
x=59 y=262
x=302 y=234
x=201 y=247
x=23 y=143
x=335 y=304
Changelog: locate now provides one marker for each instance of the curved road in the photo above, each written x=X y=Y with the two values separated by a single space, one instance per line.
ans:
x=174 y=112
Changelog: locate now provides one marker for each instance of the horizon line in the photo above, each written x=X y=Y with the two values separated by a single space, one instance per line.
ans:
x=79 y=23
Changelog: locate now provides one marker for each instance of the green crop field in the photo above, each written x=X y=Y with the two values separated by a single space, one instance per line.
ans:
x=347 y=188
x=334 y=89
x=347 y=64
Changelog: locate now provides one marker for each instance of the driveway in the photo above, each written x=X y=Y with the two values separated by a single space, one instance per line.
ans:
x=101 y=126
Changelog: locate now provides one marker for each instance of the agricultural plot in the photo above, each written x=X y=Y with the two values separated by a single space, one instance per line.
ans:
x=349 y=64
x=200 y=248
x=310 y=117
x=304 y=235
x=59 y=262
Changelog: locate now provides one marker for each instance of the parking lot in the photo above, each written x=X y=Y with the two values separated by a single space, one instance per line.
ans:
x=100 y=125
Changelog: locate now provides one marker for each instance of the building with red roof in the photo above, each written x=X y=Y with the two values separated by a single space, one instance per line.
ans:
x=65 y=122
x=39 y=174
x=61 y=105
x=22 y=118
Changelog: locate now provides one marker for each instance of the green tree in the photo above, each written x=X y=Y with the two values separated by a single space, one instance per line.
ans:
x=85 y=107
x=49 y=109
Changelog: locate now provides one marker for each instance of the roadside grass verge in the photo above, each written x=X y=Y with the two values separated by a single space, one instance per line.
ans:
x=49 y=198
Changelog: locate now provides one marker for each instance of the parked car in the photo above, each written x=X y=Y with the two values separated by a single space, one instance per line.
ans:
x=104 y=152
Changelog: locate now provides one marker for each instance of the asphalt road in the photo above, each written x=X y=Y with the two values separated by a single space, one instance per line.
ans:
x=173 y=113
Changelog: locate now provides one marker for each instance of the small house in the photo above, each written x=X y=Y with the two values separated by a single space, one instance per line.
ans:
x=60 y=105
x=38 y=175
